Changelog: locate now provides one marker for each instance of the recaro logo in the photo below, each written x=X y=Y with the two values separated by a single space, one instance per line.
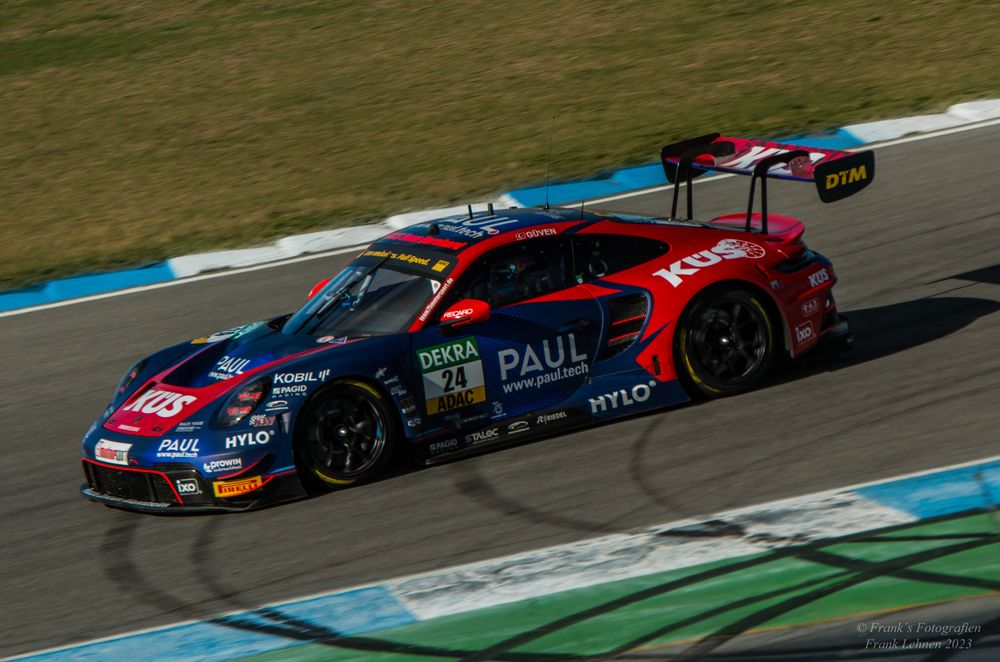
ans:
x=162 y=403
x=727 y=249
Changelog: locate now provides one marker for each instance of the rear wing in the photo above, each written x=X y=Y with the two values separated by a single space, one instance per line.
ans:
x=836 y=174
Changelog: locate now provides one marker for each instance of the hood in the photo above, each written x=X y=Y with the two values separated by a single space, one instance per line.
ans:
x=183 y=389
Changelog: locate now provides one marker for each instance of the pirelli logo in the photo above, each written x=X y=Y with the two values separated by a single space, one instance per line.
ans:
x=230 y=488
x=843 y=177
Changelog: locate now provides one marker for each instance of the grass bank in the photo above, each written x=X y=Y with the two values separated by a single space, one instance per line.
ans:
x=142 y=130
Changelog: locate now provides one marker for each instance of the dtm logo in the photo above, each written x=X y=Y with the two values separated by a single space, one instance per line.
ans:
x=162 y=403
x=851 y=176
x=804 y=332
x=818 y=278
x=621 y=398
x=531 y=359
x=727 y=249
x=187 y=486
x=248 y=439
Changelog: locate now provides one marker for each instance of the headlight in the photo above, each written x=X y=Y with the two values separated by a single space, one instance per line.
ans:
x=242 y=402
x=129 y=377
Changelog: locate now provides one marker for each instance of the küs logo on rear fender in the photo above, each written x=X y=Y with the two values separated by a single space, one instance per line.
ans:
x=727 y=249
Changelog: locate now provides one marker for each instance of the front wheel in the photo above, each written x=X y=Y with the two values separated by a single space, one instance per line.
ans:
x=346 y=437
x=724 y=343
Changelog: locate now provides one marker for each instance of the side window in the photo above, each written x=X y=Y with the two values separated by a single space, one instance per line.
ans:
x=516 y=272
x=599 y=255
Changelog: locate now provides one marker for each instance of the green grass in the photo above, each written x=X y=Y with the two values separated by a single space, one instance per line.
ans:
x=142 y=130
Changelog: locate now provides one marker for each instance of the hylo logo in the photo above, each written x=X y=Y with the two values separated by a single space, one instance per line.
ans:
x=162 y=403
x=621 y=398
x=248 y=439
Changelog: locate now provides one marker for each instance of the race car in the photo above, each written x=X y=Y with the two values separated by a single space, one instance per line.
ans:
x=479 y=330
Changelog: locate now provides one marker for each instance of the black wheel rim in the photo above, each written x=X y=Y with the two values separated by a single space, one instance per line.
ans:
x=729 y=341
x=347 y=436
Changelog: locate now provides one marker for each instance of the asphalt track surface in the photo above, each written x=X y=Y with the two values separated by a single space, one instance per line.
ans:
x=918 y=258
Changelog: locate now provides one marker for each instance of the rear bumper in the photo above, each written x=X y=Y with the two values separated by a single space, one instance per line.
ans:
x=838 y=337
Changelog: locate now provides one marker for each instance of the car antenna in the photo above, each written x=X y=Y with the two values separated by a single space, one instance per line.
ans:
x=470 y=211
x=581 y=209
x=489 y=208
x=548 y=164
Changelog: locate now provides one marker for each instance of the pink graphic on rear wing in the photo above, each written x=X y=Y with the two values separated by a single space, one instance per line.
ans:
x=836 y=173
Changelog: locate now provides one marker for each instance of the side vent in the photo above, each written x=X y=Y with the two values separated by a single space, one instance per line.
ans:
x=628 y=315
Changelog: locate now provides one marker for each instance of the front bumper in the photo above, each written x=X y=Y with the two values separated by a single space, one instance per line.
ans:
x=158 y=491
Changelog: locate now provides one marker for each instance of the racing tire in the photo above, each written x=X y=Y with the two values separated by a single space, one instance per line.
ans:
x=346 y=436
x=724 y=343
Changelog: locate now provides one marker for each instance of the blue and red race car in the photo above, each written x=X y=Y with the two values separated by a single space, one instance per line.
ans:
x=479 y=330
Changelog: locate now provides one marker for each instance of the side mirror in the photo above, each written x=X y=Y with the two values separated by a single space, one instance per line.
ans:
x=318 y=287
x=466 y=311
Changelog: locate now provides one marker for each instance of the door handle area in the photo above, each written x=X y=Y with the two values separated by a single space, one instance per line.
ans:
x=581 y=324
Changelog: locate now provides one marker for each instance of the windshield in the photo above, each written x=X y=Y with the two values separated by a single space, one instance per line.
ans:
x=364 y=300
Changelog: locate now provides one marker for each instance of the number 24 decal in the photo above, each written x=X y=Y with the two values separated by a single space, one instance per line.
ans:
x=454 y=379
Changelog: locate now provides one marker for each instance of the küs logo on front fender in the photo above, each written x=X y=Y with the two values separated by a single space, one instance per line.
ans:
x=162 y=403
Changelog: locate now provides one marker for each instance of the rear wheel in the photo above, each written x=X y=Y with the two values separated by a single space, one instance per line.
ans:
x=724 y=343
x=346 y=437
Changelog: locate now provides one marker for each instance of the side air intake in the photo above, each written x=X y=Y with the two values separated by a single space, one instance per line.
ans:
x=628 y=315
